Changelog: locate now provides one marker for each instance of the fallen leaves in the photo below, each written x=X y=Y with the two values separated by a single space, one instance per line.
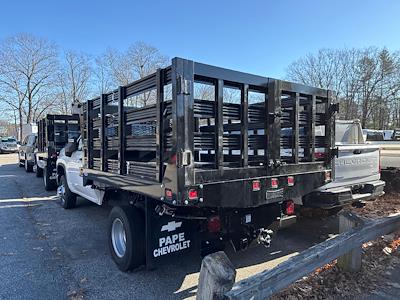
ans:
x=379 y=257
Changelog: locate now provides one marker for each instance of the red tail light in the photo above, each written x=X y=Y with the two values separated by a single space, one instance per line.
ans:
x=168 y=194
x=290 y=181
x=289 y=207
x=192 y=194
x=256 y=185
x=214 y=224
x=274 y=183
x=319 y=155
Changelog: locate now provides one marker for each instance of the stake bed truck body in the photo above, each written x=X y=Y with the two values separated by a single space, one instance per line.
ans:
x=53 y=134
x=192 y=156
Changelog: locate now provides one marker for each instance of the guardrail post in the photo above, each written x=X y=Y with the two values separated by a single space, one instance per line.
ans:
x=217 y=276
x=350 y=262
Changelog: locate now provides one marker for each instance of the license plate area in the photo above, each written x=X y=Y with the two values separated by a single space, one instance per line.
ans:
x=274 y=194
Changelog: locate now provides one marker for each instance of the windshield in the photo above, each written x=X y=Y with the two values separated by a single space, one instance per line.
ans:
x=8 y=140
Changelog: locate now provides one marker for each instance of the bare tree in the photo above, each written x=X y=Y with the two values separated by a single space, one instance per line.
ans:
x=144 y=59
x=74 y=79
x=138 y=61
x=102 y=75
x=366 y=81
x=27 y=65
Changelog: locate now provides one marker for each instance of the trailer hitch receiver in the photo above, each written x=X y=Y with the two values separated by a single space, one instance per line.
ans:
x=264 y=237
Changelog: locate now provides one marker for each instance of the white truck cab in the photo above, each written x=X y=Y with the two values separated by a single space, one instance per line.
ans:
x=69 y=176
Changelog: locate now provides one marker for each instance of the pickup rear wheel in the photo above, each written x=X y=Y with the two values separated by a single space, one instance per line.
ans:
x=68 y=198
x=127 y=237
x=49 y=184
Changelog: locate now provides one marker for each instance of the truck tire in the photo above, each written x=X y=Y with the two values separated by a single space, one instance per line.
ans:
x=49 y=184
x=39 y=171
x=68 y=198
x=20 y=164
x=126 y=233
x=28 y=167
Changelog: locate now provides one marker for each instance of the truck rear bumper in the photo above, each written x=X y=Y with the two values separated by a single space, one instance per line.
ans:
x=9 y=150
x=340 y=196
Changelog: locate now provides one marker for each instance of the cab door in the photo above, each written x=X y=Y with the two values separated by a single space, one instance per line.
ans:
x=74 y=168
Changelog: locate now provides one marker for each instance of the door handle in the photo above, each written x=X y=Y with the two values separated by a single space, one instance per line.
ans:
x=357 y=151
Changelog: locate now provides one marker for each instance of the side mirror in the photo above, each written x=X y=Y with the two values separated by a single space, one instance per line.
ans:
x=71 y=147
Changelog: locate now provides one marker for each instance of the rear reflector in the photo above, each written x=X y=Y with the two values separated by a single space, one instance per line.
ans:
x=274 y=183
x=289 y=207
x=290 y=181
x=192 y=194
x=214 y=224
x=256 y=185
x=319 y=155
x=168 y=193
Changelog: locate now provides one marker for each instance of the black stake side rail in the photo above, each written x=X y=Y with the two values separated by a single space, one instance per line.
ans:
x=265 y=284
x=48 y=140
x=174 y=164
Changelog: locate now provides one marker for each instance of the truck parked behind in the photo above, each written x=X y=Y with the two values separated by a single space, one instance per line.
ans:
x=53 y=134
x=26 y=152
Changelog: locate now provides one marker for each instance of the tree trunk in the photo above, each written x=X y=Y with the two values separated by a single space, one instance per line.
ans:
x=20 y=125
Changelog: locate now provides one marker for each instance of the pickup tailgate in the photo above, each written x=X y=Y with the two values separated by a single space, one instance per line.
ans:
x=355 y=164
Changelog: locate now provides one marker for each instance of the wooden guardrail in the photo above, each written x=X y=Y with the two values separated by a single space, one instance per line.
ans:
x=217 y=275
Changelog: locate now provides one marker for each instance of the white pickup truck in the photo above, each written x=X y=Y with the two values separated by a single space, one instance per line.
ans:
x=69 y=177
x=356 y=175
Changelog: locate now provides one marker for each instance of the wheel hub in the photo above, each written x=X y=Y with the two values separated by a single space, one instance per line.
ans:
x=118 y=237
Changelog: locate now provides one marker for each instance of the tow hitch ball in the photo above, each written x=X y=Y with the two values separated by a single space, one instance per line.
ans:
x=264 y=237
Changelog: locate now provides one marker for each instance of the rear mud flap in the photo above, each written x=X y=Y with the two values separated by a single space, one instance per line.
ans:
x=168 y=237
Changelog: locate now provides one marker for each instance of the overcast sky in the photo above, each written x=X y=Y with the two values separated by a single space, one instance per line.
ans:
x=260 y=37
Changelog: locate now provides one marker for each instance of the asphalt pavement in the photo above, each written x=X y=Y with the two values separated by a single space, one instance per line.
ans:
x=47 y=252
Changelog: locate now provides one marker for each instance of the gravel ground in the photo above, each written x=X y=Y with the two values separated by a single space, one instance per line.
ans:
x=50 y=253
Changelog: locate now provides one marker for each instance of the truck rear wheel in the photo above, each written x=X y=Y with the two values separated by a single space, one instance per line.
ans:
x=68 y=198
x=49 y=184
x=127 y=237
x=28 y=167
x=20 y=163
x=39 y=171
